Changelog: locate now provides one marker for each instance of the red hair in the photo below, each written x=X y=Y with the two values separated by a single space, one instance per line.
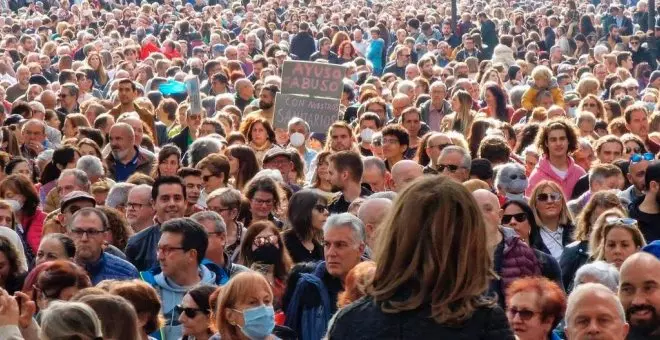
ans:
x=357 y=281
x=340 y=49
x=552 y=298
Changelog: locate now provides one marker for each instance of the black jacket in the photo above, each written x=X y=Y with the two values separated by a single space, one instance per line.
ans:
x=648 y=223
x=141 y=248
x=303 y=45
x=536 y=242
x=181 y=140
x=364 y=319
x=575 y=255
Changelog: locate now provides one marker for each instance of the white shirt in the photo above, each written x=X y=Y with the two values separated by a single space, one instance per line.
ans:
x=561 y=173
x=361 y=47
x=553 y=240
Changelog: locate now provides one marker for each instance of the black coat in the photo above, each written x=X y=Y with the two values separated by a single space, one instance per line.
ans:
x=364 y=319
x=303 y=45
x=181 y=140
x=575 y=255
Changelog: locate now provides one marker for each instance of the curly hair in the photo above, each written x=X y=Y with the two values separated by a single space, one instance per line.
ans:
x=556 y=124
x=118 y=226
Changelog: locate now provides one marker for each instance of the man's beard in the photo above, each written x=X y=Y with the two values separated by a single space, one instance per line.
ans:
x=119 y=154
x=265 y=106
x=645 y=327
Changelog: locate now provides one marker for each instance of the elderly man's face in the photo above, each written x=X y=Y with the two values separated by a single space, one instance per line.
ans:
x=33 y=133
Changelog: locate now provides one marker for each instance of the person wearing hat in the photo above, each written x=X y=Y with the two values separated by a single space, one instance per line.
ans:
x=73 y=202
x=571 y=101
x=39 y=80
x=281 y=159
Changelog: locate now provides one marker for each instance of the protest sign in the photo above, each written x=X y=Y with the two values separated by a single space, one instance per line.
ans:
x=313 y=79
x=319 y=113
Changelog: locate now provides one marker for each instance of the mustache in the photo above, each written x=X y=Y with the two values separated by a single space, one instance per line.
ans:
x=639 y=308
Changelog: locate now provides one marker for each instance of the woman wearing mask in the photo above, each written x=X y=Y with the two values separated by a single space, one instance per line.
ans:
x=195 y=313
x=19 y=192
x=307 y=213
x=245 y=309
x=535 y=306
x=577 y=254
x=263 y=250
x=243 y=164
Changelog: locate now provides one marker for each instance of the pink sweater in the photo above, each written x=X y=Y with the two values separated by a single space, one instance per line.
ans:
x=543 y=171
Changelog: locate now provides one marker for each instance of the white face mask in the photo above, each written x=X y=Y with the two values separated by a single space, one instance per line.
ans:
x=297 y=139
x=15 y=205
x=367 y=135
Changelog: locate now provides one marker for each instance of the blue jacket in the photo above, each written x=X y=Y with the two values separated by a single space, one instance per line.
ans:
x=171 y=295
x=110 y=267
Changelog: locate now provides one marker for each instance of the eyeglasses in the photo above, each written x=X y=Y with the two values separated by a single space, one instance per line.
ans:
x=320 y=208
x=524 y=314
x=190 y=312
x=635 y=149
x=451 y=167
x=522 y=217
x=62 y=95
x=135 y=206
x=636 y=158
x=89 y=232
x=390 y=141
x=553 y=197
x=262 y=202
x=166 y=250
x=263 y=240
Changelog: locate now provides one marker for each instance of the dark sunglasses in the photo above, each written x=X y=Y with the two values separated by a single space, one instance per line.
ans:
x=320 y=208
x=206 y=178
x=522 y=217
x=635 y=150
x=190 y=312
x=553 y=197
x=525 y=314
x=636 y=158
x=452 y=168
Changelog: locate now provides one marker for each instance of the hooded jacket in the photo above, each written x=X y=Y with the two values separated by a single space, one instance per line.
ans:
x=543 y=171
x=503 y=54
x=171 y=295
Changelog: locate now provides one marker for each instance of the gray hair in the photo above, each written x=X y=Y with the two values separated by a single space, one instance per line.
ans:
x=298 y=121
x=605 y=273
x=585 y=143
x=390 y=195
x=467 y=159
x=346 y=220
x=219 y=225
x=405 y=86
x=227 y=96
x=91 y=165
x=229 y=197
x=587 y=288
x=66 y=319
x=73 y=88
x=80 y=176
x=375 y=162
x=201 y=148
x=118 y=195
x=516 y=94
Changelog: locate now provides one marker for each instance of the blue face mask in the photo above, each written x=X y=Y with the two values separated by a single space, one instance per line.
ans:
x=650 y=106
x=259 y=322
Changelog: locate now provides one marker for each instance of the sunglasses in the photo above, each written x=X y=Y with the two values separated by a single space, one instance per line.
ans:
x=452 y=168
x=263 y=240
x=525 y=314
x=553 y=197
x=626 y=221
x=635 y=150
x=636 y=158
x=522 y=217
x=190 y=312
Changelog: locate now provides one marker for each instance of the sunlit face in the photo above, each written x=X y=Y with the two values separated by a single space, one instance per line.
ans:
x=526 y=318
x=22 y=168
x=618 y=246
x=50 y=249
x=169 y=166
x=517 y=220
x=549 y=203
x=557 y=143
x=199 y=323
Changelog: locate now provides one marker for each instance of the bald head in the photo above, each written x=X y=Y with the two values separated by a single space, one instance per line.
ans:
x=490 y=209
x=371 y=214
x=640 y=293
x=404 y=172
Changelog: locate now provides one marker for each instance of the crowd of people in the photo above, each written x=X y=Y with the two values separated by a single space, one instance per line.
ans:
x=496 y=177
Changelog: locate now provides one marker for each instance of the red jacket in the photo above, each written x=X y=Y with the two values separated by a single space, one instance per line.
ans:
x=148 y=49
x=34 y=225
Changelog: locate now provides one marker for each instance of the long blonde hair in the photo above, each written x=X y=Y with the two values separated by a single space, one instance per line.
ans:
x=442 y=257
x=464 y=116
x=602 y=228
x=565 y=215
